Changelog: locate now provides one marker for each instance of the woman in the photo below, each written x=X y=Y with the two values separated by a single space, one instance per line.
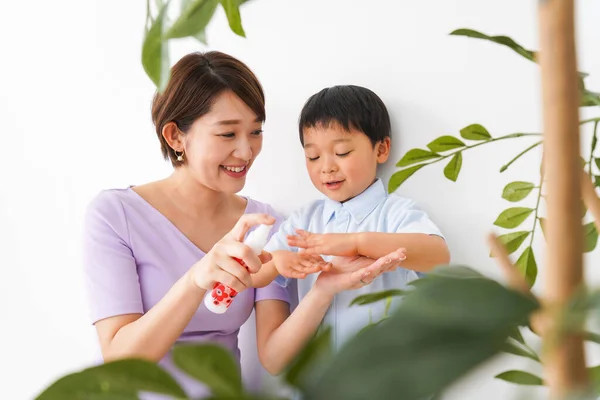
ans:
x=152 y=251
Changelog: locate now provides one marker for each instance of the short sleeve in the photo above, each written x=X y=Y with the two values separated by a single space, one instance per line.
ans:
x=410 y=218
x=276 y=290
x=110 y=271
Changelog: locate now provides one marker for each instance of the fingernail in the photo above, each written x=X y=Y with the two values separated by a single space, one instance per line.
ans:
x=366 y=274
x=402 y=258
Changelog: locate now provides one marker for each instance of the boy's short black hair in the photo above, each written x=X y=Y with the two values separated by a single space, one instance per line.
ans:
x=353 y=107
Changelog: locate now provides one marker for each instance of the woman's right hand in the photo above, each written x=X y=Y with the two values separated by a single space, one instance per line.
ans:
x=218 y=264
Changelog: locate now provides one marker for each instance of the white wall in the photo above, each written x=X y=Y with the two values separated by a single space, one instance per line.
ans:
x=74 y=108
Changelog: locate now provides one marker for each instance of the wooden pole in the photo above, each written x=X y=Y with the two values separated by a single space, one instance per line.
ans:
x=564 y=360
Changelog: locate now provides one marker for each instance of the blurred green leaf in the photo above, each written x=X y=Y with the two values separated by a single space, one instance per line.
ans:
x=597 y=180
x=512 y=347
x=416 y=156
x=445 y=325
x=303 y=370
x=234 y=18
x=594 y=373
x=445 y=143
x=193 y=19
x=475 y=132
x=201 y=37
x=454 y=272
x=517 y=191
x=399 y=177
x=515 y=333
x=503 y=40
x=590 y=237
x=212 y=365
x=155 y=52
x=513 y=240
x=589 y=99
x=520 y=378
x=452 y=170
x=592 y=337
x=527 y=266
x=377 y=296
x=513 y=217
x=121 y=380
x=597 y=162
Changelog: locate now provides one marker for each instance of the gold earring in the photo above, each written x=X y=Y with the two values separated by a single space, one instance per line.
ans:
x=179 y=156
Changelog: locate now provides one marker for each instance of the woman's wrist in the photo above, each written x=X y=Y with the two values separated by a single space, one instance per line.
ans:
x=323 y=295
x=190 y=285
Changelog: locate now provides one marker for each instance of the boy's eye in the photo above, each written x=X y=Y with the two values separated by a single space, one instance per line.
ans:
x=257 y=132
x=313 y=158
x=344 y=154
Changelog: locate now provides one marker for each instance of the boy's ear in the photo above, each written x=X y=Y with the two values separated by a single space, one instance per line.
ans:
x=383 y=150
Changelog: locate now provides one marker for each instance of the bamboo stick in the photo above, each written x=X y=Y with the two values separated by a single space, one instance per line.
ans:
x=565 y=361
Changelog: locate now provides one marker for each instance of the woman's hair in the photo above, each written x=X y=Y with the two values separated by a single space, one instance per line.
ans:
x=196 y=82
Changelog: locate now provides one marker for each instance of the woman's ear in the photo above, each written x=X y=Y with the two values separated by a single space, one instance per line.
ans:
x=383 y=150
x=173 y=136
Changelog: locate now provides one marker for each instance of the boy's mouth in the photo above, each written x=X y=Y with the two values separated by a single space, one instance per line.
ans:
x=333 y=185
x=235 y=171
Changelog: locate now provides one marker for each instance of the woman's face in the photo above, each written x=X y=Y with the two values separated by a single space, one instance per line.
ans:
x=221 y=146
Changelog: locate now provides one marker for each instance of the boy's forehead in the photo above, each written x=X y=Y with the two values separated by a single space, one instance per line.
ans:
x=331 y=133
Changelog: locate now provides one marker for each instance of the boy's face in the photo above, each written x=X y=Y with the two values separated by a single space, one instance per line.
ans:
x=342 y=164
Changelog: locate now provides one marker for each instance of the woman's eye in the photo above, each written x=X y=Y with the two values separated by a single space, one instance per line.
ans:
x=227 y=135
x=257 y=132
x=313 y=158
x=344 y=154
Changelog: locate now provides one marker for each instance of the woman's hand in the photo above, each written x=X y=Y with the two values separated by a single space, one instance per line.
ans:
x=351 y=264
x=337 y=280
x=218 y=265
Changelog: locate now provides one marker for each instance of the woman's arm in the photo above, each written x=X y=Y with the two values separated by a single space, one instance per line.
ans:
x=151 y=335
x=280 y=336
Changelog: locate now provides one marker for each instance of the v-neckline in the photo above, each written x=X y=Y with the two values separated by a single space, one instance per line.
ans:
x=170 y=223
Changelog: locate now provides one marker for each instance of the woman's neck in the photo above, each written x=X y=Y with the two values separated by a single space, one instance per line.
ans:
x=194 y=199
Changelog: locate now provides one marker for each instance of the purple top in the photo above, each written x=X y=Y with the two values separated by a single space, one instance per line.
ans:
x=133 y=255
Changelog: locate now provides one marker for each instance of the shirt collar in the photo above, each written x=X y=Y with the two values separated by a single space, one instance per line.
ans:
x=360 y=206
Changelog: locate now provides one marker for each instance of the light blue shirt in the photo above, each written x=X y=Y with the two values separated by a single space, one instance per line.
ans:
x=374 y=210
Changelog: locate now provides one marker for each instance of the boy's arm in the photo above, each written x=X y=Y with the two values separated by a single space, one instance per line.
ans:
x=423 y=251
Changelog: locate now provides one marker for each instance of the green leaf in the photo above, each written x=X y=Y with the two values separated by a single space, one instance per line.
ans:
x=416 y=156
x=444 y=325
x=377 y=296
x=513 y=240
x=543 y=226
x=445 y=143
x=212 y=365
x=589 y=99
x=512 y=347
x=454 y=272
x=597 y=162
x=475 y=132
x=503 y=40
x=520 y=378
x=590 y=237
x=121 y=379
x=515 y=333
x=596 y=180
x=232 y=11
x=527 y=266
x=452 y=170
x=193 y=19
x=201 y=37
x=301 y=372
x=155 y=52
x=594 y=373
x=399 y=177
x=517 y=191
x=513 y=217
x=592 y=337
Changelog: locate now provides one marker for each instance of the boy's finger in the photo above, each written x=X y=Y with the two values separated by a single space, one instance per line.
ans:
x=304 y=234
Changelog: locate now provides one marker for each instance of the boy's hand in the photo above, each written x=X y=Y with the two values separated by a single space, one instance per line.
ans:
x=333 y=282
x=351 y=264
x=331 y=244
x=299 y=265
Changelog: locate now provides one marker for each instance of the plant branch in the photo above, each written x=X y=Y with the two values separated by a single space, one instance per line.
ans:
x=537 y=208
x=533 y=146
x=593 y=147
x=511 y=136
x=585 y=121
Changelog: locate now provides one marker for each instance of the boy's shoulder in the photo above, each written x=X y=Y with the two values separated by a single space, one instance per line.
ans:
x=308 y=210
x=396 y=201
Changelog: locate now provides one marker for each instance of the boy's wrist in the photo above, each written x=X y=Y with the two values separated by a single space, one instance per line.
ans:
x=358 y=240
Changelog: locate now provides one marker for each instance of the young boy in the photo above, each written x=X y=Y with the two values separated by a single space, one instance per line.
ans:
x=345 y=132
